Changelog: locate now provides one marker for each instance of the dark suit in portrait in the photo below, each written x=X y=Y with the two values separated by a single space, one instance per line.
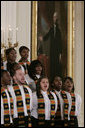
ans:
x=55 y=50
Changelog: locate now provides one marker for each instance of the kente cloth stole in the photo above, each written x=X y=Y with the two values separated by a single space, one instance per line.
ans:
x=66 y=105
x=41 y=109
x=25 y=66
x=72 y=113
x=58 y=113
x=7 y=112
x=27 y=99
x=20 y=106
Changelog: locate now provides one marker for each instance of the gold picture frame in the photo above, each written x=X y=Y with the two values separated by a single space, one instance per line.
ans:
x=70 y=42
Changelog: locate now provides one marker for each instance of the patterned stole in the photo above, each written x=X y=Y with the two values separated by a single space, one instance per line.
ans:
x=58 y=113
x=66 y=105
x=20 y=106
x=41 y=109
x=72 y=113
x=7 y=112
x=26 y=67
x=27 y=99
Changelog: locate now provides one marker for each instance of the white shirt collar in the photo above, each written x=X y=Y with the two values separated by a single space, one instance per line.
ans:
x=38 y=76
x=44 y=92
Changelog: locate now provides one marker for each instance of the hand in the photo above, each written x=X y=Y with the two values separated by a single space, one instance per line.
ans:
x=40 y=38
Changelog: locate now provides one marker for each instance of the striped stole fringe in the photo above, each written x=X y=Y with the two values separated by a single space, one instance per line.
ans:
x=41 y=109
x=25 y=66
x=66 y=105
x=20 y=107
x=72 y=113
x=7 y=112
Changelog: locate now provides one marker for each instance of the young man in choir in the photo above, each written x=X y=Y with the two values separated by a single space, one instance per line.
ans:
x=76 y=101
x=24 y=53
x=22 y=96
x=64 y=104
x=6 y=100
x=44 y=105
x=11 y=58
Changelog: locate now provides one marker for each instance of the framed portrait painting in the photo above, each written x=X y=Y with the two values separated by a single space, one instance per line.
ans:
x=52 y=36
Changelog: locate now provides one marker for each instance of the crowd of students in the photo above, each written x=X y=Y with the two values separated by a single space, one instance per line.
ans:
x=28 y=99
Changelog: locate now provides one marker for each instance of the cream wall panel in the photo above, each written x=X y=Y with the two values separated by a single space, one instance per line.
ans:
x=79 y=55
x=24 y=23
x=17 y=14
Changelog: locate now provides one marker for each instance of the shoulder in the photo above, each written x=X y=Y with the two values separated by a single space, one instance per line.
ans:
x=28 y=78
x=67 y=93
x=53 y=93
x=78 y=97
x=10 y=88
x=27 y=86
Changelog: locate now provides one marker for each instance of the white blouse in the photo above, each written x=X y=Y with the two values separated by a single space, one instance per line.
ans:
x=2 y=108
x=23 y=98
x=78 y=104
x=34 y=112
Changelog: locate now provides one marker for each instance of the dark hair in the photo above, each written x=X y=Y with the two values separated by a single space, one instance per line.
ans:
x=71 y=80
x=21 y=49
x=3 y=71
x=15 y=66
x=32 y=71
x=9 y=50
x=38 y=87
x=52 y=82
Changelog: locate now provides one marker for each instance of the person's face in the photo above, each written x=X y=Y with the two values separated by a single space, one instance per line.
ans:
x=44 y=84
x=25 y=54
x=58 y=83
x=68 y=85
x=54 y=19
x=6 y=79
x=38 y=69
x=12 y=56
x=19 y=77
